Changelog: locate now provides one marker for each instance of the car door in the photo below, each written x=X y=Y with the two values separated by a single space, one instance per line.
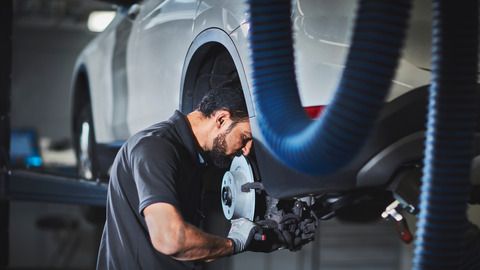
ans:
x=119 y=77
x=157 y=48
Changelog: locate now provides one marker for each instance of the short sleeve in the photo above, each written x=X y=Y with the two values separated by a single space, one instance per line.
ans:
x=154 y=162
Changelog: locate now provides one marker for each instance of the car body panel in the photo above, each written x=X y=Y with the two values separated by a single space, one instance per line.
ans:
x=224 y=14
x=157 y=47
x=218 y=36
x=96 y=61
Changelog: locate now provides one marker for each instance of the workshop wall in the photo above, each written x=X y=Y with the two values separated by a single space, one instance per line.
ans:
x=43 y=60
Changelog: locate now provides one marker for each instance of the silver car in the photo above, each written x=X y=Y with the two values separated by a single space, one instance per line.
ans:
x=158 y=56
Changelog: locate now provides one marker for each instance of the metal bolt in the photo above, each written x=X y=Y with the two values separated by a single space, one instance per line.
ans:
x=227 y=196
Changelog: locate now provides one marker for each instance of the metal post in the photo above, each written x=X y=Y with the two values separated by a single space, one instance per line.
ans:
x=6 y=18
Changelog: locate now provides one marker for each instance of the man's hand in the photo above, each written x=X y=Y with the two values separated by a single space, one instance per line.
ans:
x=290 y=234
x=270 y=240
x=241 y=233
x=269 y=237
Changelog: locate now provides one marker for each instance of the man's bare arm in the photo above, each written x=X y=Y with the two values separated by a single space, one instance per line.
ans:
x=172 y=236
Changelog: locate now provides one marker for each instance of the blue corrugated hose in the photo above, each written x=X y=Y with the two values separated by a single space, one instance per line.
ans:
x=325 y=145
x=450 y=131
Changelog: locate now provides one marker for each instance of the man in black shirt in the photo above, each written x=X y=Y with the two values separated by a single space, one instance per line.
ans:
x=155 y=186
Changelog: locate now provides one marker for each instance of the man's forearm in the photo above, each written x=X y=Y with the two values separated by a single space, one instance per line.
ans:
x=195 y=244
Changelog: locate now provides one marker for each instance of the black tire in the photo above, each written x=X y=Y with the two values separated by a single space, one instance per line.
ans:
x=87 y=165
x=85 y=144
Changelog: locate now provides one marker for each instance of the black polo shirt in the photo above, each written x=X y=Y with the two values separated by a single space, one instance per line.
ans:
x=159 y=164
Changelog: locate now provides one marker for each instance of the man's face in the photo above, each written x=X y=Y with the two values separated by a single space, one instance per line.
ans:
x=235 y=139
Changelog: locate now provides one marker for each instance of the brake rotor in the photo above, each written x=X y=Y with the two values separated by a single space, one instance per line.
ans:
x=235 y=202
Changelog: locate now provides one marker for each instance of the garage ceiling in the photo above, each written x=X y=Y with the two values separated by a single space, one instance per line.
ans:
x=55 y=13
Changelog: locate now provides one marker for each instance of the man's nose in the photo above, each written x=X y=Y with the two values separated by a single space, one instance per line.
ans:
x=246 y=149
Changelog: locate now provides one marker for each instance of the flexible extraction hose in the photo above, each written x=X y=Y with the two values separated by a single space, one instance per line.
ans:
x=325 y=145
x=450 y=132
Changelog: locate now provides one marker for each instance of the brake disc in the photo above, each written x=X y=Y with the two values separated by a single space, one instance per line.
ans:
x=235 y=202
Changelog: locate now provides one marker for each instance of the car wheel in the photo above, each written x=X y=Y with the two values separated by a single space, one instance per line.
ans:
x=85 y=144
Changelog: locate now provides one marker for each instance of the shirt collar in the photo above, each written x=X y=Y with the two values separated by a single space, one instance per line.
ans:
x=185 y=133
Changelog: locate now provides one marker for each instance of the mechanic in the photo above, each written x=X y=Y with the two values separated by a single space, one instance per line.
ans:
x=155 y=186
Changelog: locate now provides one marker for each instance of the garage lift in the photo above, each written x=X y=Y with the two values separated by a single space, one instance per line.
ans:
x=22 y=184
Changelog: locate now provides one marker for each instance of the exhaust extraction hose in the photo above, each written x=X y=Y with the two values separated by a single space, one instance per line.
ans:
x=325 y=145
x=450 y=132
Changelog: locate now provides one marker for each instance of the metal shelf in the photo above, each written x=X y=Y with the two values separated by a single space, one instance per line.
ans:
x=35 y=186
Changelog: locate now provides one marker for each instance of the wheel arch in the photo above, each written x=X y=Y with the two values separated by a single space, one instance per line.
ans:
x=203 y=45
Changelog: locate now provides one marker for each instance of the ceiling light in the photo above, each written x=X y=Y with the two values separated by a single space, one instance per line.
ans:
x=99 y=20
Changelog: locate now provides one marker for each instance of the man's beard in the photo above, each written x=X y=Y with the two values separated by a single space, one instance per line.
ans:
x=218 y=154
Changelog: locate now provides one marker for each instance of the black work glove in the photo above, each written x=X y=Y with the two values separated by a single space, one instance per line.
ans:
x=267 y=240
x=241 y=233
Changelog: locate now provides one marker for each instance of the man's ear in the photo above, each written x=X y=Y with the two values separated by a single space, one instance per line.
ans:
x=221 y=116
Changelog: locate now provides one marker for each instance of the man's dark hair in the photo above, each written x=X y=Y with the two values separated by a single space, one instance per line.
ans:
x=225 y=98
